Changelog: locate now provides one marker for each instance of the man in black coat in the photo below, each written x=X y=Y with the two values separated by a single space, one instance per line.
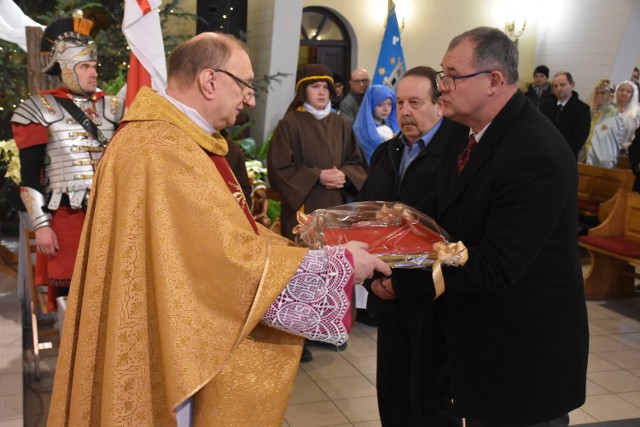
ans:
x=412 y=378
x=571 y=116
x=514 y=316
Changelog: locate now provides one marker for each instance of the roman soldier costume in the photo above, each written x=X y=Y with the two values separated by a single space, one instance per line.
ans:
x=61 y=134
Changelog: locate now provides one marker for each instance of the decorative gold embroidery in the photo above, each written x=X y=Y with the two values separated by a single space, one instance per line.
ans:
x=238 y=194
x=170 y=316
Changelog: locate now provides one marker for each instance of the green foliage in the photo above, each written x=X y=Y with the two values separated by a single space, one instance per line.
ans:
x=236 y=130
x=252 y=150
x=273 y=210
x=114 y=86
x=14 y=85
x=264 y=148
x=265 y=83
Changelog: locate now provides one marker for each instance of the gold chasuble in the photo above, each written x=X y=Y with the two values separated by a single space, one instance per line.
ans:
x=169 y=287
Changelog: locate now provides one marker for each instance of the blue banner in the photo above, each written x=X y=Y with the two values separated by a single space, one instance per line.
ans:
x=391 y=65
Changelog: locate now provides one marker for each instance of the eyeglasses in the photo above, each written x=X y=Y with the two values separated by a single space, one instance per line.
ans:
x=246 y=85
x=361 y=81
x=444 y=82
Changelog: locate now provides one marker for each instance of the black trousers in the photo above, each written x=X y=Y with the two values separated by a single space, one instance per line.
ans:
x=412 y=375
x=562 y=421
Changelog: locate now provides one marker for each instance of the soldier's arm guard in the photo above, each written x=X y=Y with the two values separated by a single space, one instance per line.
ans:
x=35 y=202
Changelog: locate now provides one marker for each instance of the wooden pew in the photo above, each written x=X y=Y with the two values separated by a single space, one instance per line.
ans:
x=597 y=185
x=614 y=247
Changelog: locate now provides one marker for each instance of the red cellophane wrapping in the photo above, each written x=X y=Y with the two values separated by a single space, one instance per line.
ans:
x=397 y=233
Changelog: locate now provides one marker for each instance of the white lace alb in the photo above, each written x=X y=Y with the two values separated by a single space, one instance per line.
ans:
x=315 y=301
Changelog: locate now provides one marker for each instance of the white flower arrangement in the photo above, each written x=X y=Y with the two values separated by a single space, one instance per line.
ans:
x=255 y=170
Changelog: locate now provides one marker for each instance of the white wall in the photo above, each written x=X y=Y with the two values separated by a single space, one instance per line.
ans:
x=629 y=50
x=589 y=38
x=273 y=38
x=585 y=37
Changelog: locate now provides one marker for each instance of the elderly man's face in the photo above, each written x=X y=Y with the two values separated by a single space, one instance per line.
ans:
x=233 y=96
x=417 y=113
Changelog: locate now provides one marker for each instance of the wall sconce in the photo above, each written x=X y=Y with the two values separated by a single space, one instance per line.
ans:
x=514 y=31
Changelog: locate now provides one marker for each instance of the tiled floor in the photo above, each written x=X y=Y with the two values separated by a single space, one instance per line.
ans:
x=337 y=388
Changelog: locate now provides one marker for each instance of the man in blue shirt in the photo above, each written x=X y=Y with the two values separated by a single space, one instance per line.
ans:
x=412 y=377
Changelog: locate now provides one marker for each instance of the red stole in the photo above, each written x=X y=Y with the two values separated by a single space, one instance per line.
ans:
x=232 y=183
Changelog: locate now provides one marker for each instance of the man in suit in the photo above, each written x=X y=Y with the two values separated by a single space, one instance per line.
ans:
x=412 y=378
x=571 y=116
x=350 y=104
x=514 y=315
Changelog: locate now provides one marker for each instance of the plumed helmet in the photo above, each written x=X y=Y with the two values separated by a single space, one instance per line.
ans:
x=66 y=42
x=307 y=74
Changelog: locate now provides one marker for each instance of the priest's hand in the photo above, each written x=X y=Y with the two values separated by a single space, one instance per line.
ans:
x=47 y=241
x=365 y=264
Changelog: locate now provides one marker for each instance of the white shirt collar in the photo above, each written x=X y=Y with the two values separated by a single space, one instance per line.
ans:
x=192 y=113
x=479 y=134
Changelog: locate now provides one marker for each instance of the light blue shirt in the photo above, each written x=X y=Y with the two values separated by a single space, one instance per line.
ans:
x=410 y=152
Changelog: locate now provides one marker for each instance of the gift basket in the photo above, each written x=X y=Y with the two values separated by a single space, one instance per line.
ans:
x=400 y=235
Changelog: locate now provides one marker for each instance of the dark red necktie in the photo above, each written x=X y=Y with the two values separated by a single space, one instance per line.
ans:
x=463 y=158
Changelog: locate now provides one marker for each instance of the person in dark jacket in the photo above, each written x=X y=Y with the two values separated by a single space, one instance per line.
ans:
x=514 y=315
x=540 y=90
x=412 y=377
x=571 y=116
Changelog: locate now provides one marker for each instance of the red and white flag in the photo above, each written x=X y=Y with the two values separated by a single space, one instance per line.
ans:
x=141 y=28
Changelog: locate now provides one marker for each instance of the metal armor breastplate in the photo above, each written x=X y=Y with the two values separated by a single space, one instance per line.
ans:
x=72 y=154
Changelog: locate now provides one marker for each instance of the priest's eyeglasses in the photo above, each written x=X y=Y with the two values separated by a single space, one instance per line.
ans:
x=247 y=95
x=448 y=83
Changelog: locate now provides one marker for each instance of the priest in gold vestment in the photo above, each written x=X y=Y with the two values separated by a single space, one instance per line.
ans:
x=173 y=280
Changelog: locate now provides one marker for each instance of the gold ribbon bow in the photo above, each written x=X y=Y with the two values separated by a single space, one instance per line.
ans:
x=449 y=254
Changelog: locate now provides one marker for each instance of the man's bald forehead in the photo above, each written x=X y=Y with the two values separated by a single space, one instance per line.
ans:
x=228 y=40
x=359 y=73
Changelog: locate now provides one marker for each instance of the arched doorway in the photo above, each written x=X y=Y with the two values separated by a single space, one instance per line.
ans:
x=324 y=40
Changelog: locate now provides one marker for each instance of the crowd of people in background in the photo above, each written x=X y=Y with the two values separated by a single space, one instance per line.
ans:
x=599 y=134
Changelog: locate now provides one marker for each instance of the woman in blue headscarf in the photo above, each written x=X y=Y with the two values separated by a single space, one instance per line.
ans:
x=376 y=121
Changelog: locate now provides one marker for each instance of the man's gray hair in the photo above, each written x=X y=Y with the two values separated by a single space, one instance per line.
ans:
x=494 y=50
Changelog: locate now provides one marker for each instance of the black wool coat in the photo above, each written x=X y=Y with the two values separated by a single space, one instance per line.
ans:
x=573 y=122
x=514 y=316
x=417 y=189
